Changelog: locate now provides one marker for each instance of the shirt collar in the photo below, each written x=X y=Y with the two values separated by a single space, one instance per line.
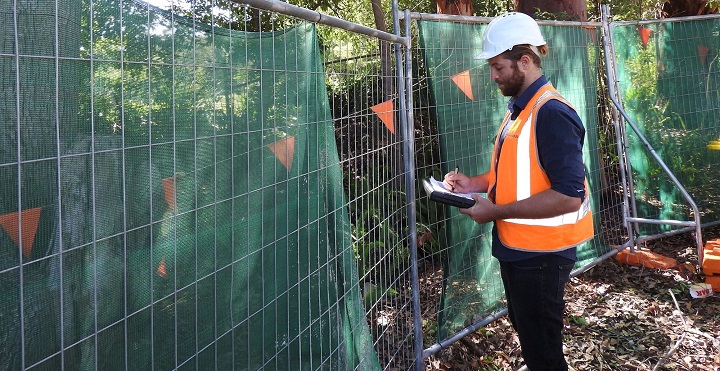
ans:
x=515 y=105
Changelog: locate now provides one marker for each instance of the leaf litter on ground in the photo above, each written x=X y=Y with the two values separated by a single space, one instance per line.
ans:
x=618 y=317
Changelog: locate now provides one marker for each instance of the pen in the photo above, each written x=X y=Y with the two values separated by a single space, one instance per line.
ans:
x=453 y=186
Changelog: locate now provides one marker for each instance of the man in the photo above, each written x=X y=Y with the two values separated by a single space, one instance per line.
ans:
x=536 y=186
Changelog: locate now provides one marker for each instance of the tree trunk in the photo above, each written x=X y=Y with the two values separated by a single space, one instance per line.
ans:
x=395 y=151
x=573 y=10
x=685 y=8
x=388 y=84
x=455 y=7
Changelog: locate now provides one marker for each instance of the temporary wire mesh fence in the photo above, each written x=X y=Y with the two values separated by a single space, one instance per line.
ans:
x=668 y=81
x=230 y=192
x=176 y=197
x=466 y=108
x=365 y=101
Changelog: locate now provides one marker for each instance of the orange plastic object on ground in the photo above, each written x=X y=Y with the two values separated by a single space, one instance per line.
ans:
x=711 y=264
x=645 y=258
x=714 y=281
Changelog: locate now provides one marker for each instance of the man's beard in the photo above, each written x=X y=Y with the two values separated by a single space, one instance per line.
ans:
x=512 y=86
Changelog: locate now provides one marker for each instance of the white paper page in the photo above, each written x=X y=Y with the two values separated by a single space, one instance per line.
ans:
x=440 y=187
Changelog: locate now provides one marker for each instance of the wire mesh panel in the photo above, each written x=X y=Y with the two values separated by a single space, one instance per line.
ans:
x=183 y=195
x=669 y=79
x=464 y=109
x=230 y=192
x=363 y=93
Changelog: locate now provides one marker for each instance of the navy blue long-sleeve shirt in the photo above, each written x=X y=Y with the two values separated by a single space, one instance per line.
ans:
x=560 y=135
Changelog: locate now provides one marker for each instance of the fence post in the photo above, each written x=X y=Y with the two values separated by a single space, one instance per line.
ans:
x=404 y=72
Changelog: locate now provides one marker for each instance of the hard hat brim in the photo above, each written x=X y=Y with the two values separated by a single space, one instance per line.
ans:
x=485 y=55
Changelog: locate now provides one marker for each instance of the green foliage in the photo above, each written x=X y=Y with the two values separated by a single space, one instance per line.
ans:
x=373 y=293
x=626 y=10
x=563 y=16
x=429 y=327
x=578 y=320
x=492 y=8
x=676 y=126
x=378 y=231
x=642 y=93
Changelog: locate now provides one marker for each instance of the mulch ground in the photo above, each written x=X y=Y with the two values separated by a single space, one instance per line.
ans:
x=618 y=317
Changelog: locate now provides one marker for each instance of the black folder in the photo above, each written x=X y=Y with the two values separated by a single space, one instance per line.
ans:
x=438 y=193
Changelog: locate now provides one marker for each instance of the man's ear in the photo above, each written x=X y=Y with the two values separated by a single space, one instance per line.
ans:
x=525 y=62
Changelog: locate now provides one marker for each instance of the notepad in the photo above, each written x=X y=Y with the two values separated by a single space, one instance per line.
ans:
x=437 y=192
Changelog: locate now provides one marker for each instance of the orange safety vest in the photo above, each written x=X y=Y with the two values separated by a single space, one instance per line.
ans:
x=522 y=176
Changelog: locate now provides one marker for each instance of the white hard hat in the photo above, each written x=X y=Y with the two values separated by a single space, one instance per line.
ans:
x=508 y=30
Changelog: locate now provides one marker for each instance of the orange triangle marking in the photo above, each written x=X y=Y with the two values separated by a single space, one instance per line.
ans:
x=462 y=80
x=169 y=187
x=703 y=53
x=284 y=150
x=30 y=221
x=644 y=35
x=162 y=268
x=384 y=111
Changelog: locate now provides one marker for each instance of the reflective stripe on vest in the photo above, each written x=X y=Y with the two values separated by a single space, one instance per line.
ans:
x=569 y=218
x=547 y=234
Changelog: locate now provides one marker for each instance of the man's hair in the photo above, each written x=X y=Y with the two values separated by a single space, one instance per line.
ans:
x=518 y=51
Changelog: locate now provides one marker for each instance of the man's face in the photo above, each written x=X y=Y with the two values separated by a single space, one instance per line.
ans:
x=506 y=74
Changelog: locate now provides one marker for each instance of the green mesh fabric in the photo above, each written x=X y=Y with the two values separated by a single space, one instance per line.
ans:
x=467 y=128
x=172 y=197
x=670 y=87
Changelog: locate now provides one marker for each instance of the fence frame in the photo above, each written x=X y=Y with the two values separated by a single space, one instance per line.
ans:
x=404 y=83
x=402 y=41
x=619 y=115
x=403 y=47
x=444 y=343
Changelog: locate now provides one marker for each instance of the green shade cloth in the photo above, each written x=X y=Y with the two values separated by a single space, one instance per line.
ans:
x=670 y=88
x=188 y=197
x=468 y=123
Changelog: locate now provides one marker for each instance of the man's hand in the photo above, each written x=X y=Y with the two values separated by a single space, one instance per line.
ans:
x=482 y=212
x=457 y=182
x=462 y=183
